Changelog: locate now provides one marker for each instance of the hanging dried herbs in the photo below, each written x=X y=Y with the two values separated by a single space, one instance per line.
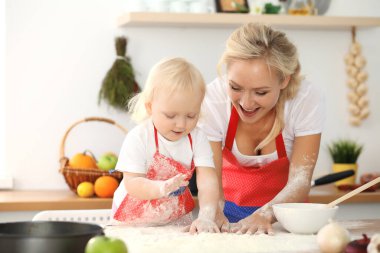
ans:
x=119 y=85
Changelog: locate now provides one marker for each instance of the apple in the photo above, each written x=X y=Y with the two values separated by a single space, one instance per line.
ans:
x=107 y=161
x=105 y=244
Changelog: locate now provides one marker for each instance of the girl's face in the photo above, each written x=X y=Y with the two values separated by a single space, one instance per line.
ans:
x=175 y=114
x=253 y=89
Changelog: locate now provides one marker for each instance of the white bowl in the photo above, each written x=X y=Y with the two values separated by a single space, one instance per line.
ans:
x=303 y=218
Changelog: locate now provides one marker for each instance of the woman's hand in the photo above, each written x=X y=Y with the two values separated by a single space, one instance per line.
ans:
x=260 y=222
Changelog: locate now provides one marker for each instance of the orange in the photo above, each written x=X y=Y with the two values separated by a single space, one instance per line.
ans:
x=83 y=161
x=85 y=190
x=105 y=186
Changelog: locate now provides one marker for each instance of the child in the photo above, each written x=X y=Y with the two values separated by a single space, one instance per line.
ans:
x=158 y=156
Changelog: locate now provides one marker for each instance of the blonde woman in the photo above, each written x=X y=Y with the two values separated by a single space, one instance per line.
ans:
x=264 y=123
x=159 y=155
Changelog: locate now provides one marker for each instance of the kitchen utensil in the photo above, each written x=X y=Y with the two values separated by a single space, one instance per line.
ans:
x=303 y=218
x=46 y=236
x=353 y=193
x=330 y=178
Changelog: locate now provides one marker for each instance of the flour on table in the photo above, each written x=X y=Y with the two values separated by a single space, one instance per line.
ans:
x=172 y=239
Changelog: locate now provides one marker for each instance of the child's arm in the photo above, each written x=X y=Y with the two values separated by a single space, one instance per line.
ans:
x=140 y=187
x=208 y=196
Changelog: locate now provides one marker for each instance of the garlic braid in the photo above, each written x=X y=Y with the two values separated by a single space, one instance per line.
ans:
x=357 y=77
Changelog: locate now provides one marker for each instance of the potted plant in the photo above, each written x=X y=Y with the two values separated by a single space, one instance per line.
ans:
x=345 y=153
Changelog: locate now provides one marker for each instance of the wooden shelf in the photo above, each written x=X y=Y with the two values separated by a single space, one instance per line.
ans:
x=23 y=200
x=49 y=200
x=234 y=20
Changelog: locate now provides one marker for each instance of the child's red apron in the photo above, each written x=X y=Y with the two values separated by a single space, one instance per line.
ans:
x=164 y=210
x=248 y=188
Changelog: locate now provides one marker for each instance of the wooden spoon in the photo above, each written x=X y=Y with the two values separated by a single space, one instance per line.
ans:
x=353 y=193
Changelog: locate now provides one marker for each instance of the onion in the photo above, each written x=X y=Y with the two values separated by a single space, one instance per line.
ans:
x=332 y=238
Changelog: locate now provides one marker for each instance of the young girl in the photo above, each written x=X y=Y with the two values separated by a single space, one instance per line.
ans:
x=159 y=156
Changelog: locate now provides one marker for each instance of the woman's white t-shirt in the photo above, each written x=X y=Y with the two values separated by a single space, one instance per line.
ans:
x=303 y=115
x=137 y=151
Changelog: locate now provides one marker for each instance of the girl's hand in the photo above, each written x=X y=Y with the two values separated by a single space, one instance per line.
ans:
x=260 y=222
x=222 y=221
x=203 y=225
x=173 y=184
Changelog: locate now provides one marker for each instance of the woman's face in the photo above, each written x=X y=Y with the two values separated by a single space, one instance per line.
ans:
x=253 y=88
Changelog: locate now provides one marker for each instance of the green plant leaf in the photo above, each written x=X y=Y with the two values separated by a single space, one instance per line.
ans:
x=345 y=151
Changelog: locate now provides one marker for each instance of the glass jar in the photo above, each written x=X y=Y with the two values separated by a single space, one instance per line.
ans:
x=301 y=7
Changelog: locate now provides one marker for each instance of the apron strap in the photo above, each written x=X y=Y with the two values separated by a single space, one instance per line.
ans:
x=191 y=141
x=231 y=131
x=156 y=138
x=280 y=146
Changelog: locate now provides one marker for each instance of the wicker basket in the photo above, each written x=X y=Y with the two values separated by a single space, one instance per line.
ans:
x=75 y=176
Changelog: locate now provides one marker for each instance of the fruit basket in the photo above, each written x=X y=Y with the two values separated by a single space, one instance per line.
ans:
x=75 y=176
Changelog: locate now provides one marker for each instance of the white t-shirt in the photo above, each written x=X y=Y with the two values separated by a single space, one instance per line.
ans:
x=303 y=115
x=139 y=146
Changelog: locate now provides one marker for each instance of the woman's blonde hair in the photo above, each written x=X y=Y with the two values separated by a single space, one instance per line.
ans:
x=258 y=41
x=170 y=75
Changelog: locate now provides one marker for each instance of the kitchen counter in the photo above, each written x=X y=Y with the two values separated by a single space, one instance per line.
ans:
x=33 y=200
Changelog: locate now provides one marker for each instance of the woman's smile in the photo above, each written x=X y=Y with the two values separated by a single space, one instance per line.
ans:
x=249 y=112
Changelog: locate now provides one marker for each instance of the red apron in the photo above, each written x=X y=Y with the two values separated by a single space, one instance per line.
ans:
x=164 y=210
x=248 y=188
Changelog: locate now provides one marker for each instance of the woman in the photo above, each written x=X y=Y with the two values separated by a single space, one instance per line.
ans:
x=264 y=124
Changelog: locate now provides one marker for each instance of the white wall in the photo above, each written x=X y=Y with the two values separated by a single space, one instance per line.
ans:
x=59 y=51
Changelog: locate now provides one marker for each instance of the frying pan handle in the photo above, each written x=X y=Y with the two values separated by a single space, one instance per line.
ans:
x=330 y=178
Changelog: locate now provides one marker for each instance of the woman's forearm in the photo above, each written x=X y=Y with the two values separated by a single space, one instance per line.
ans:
x=303 y=160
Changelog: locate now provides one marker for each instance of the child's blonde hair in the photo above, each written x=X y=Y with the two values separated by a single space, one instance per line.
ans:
x=171 y=75
x=258 y=41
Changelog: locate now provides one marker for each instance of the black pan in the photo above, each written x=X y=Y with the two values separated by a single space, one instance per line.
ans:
x=46 y=236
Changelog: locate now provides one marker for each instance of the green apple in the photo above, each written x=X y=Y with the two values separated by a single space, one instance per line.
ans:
x=105 y=244
x=107 y=161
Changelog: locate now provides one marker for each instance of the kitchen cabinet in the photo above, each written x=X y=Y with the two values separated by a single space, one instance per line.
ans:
x=152 y=19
